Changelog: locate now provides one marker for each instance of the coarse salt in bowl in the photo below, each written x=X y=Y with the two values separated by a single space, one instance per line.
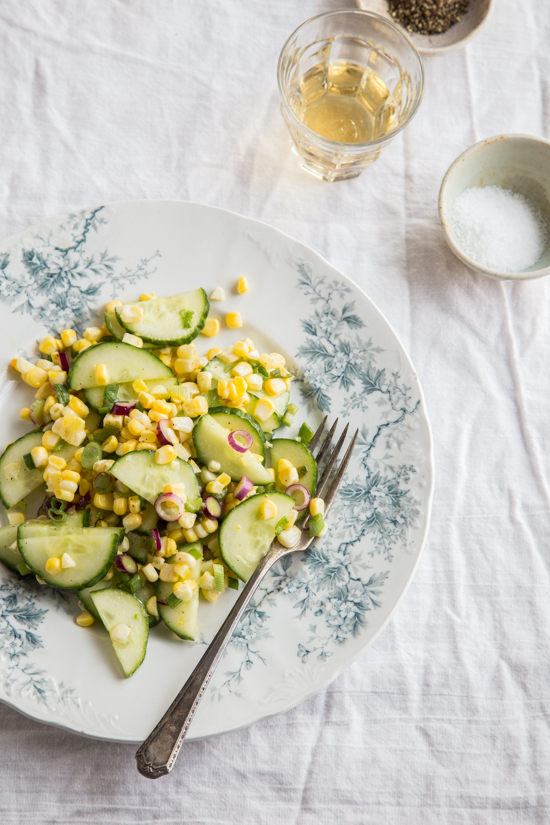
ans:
x=520 y=163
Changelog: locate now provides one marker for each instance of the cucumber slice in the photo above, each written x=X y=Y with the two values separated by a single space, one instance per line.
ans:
x=16 y=479
x=140 y=472
x=211 y=444
x=119 y=607
x=183 y=618
x=86 y=598
x=169 y=322
x=280 y=402
x=149 y=520
x=11 y=557
x=140 y=545
x=92 y=548
x=124 y=362
x=94 y=395
x=298 y=455
x=143 y=595
x=232 y=419
x=245 y=537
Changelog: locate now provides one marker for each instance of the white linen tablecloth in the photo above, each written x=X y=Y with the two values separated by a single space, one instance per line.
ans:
x=446 y=718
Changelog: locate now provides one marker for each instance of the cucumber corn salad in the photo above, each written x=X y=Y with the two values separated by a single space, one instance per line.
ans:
x=152 y=461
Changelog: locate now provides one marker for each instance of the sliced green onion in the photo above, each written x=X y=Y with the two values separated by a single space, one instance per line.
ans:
x=135 y=584
x=124 y=577
x=23 y=569
x=288 y=417
x=316 y=525
x=59 y=446
x=103 y=483
x=110 y=395
x=37 y=412
x=27 y=458
x=62 y=392
x=219 y=577
x=233 y=584
x=140 y=408
x=194 y=552
x=275 y=373
x=193 y=504
x=261 y=370
x=302 y=471
x=187 y=320
x=292 y=409
x=172 y=600
x=280 y=526
x=103 y=434
x=306 y=434
x=92 y=453
x=56 y=511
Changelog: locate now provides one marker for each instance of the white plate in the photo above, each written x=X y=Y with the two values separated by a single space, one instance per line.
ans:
x=317 y=612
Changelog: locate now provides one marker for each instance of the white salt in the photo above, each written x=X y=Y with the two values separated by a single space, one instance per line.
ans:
x=498 y=228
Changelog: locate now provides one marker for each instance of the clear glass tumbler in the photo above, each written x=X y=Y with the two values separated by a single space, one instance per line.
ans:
x=349 y=81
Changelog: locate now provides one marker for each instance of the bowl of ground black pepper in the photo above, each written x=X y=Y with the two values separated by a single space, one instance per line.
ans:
x=434 y=26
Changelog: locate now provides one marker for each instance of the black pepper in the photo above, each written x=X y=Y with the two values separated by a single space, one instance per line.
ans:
x=428 y=16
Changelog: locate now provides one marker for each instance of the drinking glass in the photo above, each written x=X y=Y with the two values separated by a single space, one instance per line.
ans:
x=380 y=66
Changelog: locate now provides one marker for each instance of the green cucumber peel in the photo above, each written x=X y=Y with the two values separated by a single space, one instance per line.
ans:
x=233 y=584
x=29 y=463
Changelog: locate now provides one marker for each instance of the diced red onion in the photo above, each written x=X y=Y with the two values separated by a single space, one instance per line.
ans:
x=123 y=408
x=243 y=488
x=165 y=433
x=126 y=564
x=211 y=507
x=82 y=502
x=174 y=513
x=243 y=436
x=155 y=535
x=64 y=361
x=299 y=488
x=161 y=601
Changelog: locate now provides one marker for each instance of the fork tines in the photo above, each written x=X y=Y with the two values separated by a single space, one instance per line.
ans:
x=323 y=490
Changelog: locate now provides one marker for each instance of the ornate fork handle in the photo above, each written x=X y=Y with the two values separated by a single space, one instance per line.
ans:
x=157 y=755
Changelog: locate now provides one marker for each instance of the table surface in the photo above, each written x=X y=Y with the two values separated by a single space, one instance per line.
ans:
x=445 y=718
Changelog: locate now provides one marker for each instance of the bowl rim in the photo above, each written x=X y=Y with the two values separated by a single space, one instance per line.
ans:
x=444 y=215
x=435 y=50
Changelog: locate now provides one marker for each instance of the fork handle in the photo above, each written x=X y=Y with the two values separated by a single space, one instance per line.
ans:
x=157 y=755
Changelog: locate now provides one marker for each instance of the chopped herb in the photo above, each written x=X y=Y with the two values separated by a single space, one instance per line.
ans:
x=62 y=393
x=142 y=504
x=110 y=395
x=187 y=320
x=280 y=526
x=59 y=446
x=172 y=600
x=305 y=433
x=27 y=458
x=140 y=407
x=233 y=584
x=302 y=471
x=316 y=525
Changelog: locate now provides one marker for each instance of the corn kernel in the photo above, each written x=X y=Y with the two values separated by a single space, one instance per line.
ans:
x=316 y=506
x=43 y=392
x=142 y=445
x=133 y=340
x=187 y=351
x=132 y=521
x=241 y=369
x=263 y=409
x=102 y=374
x=204 y=381
x=120 y=505
x=168 y=574
x=35 y=377
x=162 y=407
x=68 y=486
x=274 y=386
x=218 y=294
x=85 y=619
x=213 y=352
x=187 y=520
x=288 y=476
x=15 y=518
x=68 y=337
x=103 y=465
x=57 y=462
x=120 y=633
x=164 y=455
x=147 y=296
x=224 y=479
x=78 y=406
x=160 y=392
x=84 y=486
x=112 y=305
x=240 y=386
x=110 y=445
x=134 y=504
x=149 y=572
x=81 y=345
x=57 y=376
x=242 y=285
x=211 y=327
x=53 y=566
x=93 y=334
x=131 y=314
x=25 y=414
x=129 y=446
x=135 y=427
x=224 y=386
x=206 y=581
x=48 y=345
x=70 y=475
x=268 y=510
x=211 y=595
x=254 y=381
x=234 y=320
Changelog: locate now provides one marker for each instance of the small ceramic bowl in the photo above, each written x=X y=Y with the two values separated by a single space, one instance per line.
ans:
x=454 y=38
x=517 y=162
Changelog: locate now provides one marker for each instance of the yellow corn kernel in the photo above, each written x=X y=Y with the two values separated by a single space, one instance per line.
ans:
x=78 y=406
x=129 y=446
x=84 y=487
x=240 y=386
x=93 y=334
x=45 y=365
x=39 y=456
x=182 y=570
x=288 y=476
x=110 y=445
x=242 y=285
x=68 y=487
x=234 y=320
x=168 y=574
x=142 y=445
x=147 y=296
x=165 y=455
x=125 y=434
x=210 y=595
x=213 y=352
x=49 y=402
x=68 y=337
x=16 y=517
x=316 y=505
x=70 y=475
x=131 y=314
x=241 y=349
x=120 y=505
x=134 y=504
x=211 y=327
x=135 y=427
x=183 y=365
x=204 y=381
x=43 y=392
x=112 y=305
x=81 y=345
x=277 y=360
x=157 y=416
x=35 y=377
x=148 y=436
x=57 y=462
x=57 y=376
x=85 y=619
x=56 y=411
x=102 y=374
x=25 y=414
x=162 y=407
x=224 y=479
x=224 y=385
x=64 y=495
x=71 y=429
x=133 y=340
x=190 y=535
x=201 y=405
x=187 y=351
x=268 y=510
x=53 y=566
x=103 y=501
x=263 y=409
x=241 y=369
x=274 y=386
x=48 y=345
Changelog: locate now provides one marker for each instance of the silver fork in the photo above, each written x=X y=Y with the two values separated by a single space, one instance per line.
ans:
x=157 y=755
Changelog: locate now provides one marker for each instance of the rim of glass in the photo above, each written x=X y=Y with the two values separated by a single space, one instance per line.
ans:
x=335 y=144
